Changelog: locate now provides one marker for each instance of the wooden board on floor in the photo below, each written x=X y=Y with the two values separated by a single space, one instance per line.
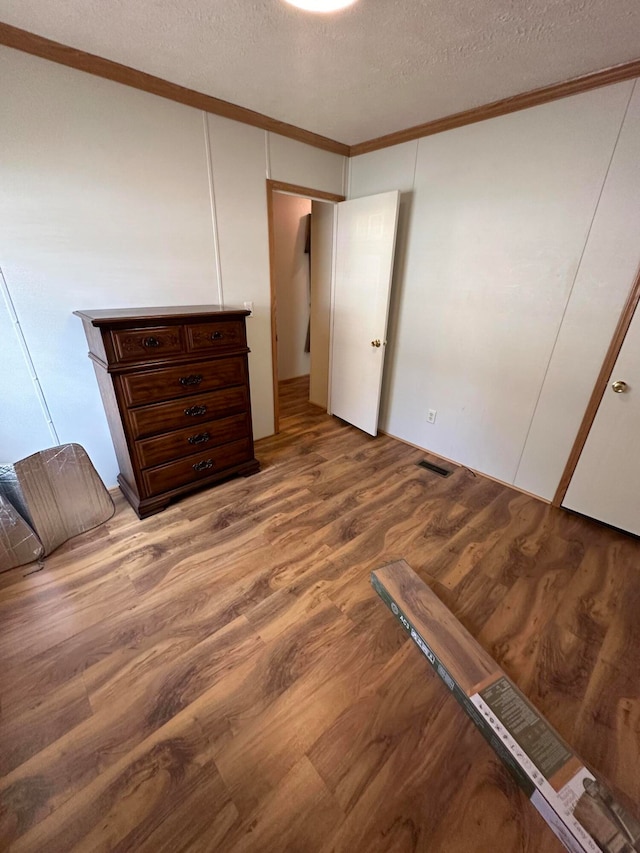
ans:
x=580 y=809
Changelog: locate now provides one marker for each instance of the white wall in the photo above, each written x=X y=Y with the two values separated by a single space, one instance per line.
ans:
x=498 y=217
x=305 y=166
x=104 y=203
x=110 y=197
x=23 y=425
x=240 y=197
x=292 y=283
x=607 y=270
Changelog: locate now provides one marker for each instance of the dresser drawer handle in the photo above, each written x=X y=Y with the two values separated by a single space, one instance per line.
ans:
x=217 y=336
x=194 y=379
x=194 y=411
x=200 y=438
x=202 y=466
x=150 y=342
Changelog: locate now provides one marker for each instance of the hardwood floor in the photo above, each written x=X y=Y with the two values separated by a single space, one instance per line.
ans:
x=221 y=676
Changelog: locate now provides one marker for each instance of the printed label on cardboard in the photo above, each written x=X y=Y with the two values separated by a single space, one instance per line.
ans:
x=524 y=723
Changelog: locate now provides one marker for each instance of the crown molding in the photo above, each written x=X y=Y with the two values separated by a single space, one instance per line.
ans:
x=54 y=51
x=534 y=98
x=64 y=55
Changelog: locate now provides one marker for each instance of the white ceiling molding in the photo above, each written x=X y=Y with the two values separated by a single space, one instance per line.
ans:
x=372 y=69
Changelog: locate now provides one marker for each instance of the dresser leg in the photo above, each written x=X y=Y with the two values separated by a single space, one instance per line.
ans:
x=145 y=507
x=251 y=468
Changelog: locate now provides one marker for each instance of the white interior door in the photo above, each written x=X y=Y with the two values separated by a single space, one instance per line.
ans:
x=606 y=482
x=365 y=244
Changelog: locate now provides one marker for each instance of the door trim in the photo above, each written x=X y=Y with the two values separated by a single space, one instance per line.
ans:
x=599 y=389
x=305 y=192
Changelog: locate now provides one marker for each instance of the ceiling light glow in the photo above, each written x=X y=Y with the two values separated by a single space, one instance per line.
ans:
x=321 y=5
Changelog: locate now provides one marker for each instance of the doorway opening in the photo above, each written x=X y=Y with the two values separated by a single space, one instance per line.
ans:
x=301 y=223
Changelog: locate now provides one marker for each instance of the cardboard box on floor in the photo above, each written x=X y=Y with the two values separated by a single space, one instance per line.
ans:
x=58 y=493
x=18 y=543
x=578 y=807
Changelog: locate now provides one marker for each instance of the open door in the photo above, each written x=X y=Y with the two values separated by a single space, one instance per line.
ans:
x=365 y=244
x=321 y=289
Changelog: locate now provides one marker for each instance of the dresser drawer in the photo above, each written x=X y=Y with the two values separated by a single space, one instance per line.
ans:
x=192 y=411
x=216 y=337
x=195 y=468
x=184 y=442
x=150 y=386
x=148 y=344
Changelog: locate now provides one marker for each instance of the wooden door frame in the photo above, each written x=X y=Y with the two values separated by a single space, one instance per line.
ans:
x=313 y=195
x=602 y=381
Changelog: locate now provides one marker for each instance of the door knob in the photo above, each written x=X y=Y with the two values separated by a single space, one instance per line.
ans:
x=375 y=343
x=619 y=386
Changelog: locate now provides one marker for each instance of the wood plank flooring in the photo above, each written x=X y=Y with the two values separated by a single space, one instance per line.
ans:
x=222 y=677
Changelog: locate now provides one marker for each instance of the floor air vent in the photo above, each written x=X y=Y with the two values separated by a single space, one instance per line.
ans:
x=441 y=472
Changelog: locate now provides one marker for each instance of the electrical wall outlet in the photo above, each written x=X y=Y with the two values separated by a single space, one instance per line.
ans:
x=431 y=416
x=248 y=307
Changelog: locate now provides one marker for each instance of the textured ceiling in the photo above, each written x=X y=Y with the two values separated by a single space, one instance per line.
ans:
x=377 y=67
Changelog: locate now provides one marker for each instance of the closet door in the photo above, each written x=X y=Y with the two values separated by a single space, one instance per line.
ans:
x=606 y=482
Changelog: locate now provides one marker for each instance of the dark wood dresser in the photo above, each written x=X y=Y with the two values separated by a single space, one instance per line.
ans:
x=175 y=387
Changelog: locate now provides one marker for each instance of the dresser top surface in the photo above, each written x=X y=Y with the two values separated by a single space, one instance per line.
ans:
x=108 y=316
